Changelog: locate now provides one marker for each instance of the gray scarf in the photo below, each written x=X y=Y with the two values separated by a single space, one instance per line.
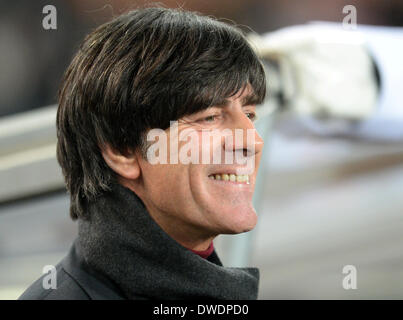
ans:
x=124 y=244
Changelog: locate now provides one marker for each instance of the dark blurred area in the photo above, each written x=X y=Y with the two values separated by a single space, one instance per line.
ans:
x=32 y=59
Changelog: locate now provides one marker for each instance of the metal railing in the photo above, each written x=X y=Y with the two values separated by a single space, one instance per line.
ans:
x=28 y=163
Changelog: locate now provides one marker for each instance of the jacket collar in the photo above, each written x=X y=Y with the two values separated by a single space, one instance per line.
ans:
x=123 y=243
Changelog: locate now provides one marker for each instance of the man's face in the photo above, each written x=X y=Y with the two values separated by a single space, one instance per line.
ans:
x=188 y=200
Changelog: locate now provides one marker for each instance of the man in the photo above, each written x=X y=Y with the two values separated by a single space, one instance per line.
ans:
x=146 y=227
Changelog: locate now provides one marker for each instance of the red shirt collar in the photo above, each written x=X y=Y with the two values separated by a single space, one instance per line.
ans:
x=205 y=253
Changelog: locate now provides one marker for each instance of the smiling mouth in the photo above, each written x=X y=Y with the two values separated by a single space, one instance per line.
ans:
x=242 y=178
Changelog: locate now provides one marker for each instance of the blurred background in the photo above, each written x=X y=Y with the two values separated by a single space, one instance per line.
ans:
x=324 y=201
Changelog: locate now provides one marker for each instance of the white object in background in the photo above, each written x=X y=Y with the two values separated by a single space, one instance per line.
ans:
x=386 y=46
x=328 y=70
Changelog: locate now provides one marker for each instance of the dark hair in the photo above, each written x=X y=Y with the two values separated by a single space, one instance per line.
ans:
x=138 y=72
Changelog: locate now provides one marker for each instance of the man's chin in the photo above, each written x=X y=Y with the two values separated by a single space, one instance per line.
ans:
x=242 y=226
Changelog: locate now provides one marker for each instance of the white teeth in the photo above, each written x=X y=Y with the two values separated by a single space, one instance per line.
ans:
x=243 y=178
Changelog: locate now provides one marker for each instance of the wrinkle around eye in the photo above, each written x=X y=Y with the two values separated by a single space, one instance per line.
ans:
x=193 y=124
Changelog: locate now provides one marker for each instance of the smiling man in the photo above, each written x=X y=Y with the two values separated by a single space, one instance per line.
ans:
x=146 y=227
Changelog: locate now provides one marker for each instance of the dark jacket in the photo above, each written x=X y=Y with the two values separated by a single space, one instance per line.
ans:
x=121 y=253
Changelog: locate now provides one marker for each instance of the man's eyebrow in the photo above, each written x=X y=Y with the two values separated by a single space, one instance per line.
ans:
x=248 y=100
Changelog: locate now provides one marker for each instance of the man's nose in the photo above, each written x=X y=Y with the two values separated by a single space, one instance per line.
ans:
x=245 y=136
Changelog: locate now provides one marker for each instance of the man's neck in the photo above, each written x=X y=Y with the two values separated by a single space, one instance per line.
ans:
x=205 y=253
x=189 y=237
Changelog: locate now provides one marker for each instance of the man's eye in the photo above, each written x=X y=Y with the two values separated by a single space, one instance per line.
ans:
x=251 y=115
x=209 y=119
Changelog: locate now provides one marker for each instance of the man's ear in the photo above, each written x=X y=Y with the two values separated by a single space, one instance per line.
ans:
x=127 y=166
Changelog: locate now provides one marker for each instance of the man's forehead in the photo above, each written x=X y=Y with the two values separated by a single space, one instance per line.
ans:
x=246 y=95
